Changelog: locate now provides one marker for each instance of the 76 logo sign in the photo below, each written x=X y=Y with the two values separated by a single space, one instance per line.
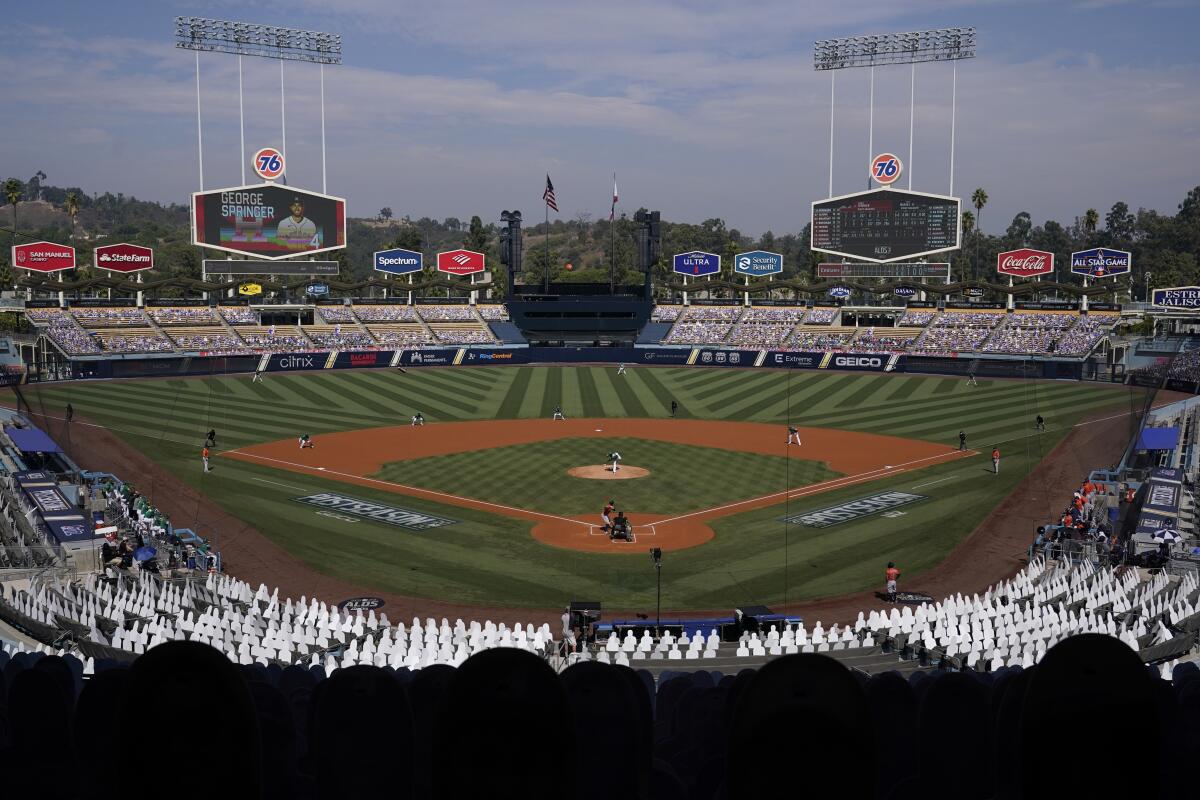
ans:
x=886 y=169
x=268 y=163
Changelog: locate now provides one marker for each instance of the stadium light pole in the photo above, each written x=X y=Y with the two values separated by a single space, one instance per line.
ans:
x=914 y=47
x=262 y=41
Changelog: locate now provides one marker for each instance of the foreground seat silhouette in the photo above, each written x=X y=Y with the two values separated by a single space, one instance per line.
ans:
x=39 y=713
x=810 y=707
x=606 y=719
x=96 y=710
x=954 y=735
x=224 y=738
x=507 y=713
x=362 y=736
x=893 y=709
x=1091 y=688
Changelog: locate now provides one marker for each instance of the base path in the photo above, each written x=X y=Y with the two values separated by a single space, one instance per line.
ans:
x=353 y=456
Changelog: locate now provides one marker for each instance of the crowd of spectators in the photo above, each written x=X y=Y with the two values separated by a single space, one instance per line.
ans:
x=402 y=337
x=713 y=314
x=872 y=342
x=1185 y=366
x=172 y=315
x=270 y=339
x=394 y=313
x=342 y=338
x=65 y=332
x=759 y=334
x=916 y=318
x=938 y=339
x=464 y=336
x=692 y=332
x=446 y=313
x=790 y=315
x=814 y=340
x=336 y=314
x=140 y=342
x=109 y=317
x=492 y=312
x=239 y=315
x=668 y=313
x=1084 y=335
x=968 y=319
x=1013 y=339
x=1031 y=319
x=215 y=339
x=820 y=316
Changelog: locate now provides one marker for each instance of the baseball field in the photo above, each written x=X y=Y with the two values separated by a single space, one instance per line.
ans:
x=479 y=506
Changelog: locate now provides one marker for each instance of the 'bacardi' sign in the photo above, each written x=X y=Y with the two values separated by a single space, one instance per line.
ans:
x=1025 y=262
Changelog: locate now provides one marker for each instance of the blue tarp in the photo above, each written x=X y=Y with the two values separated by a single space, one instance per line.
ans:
x=1158 y=439
x=32 y=440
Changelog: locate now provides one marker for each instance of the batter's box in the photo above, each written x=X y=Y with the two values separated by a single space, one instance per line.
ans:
x=646 y=530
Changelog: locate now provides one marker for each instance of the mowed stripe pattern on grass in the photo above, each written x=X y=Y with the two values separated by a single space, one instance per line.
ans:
x=284 y=405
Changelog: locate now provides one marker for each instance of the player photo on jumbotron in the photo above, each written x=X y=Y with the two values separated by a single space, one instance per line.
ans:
x=272 y=221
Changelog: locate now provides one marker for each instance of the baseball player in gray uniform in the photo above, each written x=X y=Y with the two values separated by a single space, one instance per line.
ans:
x=615 y=458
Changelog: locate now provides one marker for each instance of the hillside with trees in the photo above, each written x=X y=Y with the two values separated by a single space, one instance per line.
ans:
x=1166 y=248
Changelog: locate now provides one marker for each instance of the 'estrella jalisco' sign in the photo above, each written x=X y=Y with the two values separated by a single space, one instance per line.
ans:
x=1177 y=297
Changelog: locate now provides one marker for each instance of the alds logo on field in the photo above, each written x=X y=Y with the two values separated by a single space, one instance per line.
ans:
x=863 y=507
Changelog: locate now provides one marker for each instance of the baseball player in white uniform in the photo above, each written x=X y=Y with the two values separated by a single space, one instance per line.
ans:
x=793 y=435
x=558 y=413
x=615 y=458
x=620 y=369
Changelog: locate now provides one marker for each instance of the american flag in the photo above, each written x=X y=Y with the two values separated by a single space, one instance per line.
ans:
x=548 y=195
x=612 y=214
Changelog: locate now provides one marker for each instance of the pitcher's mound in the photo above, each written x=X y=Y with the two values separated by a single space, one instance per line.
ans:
x=603 y=472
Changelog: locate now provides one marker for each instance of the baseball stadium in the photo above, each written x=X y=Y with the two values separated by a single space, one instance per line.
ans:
x=442 y=519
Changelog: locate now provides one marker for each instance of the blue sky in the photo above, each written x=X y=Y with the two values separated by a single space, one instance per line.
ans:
x=704 y=109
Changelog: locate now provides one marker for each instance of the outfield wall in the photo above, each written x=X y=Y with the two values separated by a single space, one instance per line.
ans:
x=136 y=367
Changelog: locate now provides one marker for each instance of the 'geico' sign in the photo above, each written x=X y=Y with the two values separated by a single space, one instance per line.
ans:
x=857 y=361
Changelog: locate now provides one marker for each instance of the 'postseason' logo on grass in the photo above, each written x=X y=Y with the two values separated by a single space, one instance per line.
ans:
x=863 y=507
x=400 y=517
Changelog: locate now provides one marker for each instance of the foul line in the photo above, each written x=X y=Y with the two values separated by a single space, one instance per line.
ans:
x=415 y=490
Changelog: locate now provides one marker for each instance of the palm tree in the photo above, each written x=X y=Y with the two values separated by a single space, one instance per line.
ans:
x=13 y=189
x=968 y=225
x=979 y=199
x=1091 y=218
x=71 y=206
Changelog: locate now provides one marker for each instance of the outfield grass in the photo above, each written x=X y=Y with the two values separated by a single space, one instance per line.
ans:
x=489 y=559
x=534 y=476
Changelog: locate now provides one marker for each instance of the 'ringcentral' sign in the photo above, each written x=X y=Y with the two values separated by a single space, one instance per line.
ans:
x=863 y=507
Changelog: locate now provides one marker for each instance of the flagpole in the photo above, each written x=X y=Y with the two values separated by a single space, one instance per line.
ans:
x=546 y=274
x=612 y=229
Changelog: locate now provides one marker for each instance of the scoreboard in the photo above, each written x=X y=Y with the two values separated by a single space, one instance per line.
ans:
x=921 y=270
x=886 y=225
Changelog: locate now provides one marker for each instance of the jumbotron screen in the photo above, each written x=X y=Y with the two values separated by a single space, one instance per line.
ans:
x=885 y=225
x=268 y=221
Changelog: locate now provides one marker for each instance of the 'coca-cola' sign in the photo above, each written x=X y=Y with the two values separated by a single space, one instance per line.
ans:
x=1025 y=262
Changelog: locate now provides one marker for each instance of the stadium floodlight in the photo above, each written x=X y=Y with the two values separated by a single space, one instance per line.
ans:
x=264 y=41
x=944 y=44
x=889 y=49
x=204 y=35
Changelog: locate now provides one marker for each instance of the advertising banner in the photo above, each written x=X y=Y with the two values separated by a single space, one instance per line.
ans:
x=360 y=360
x=1162 y=498
x=70 y=531
x=398 y=261
x=1101 y=262
x=1025 y=262
x=1149 y=522
x=43 y=257
x=696 y=263
x=1177 y=297
x=251 y=267
x=758 y=263
x=123 y=257
x=886 y=224
x=268 y=221
x=460 y=262
x=916 y=269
